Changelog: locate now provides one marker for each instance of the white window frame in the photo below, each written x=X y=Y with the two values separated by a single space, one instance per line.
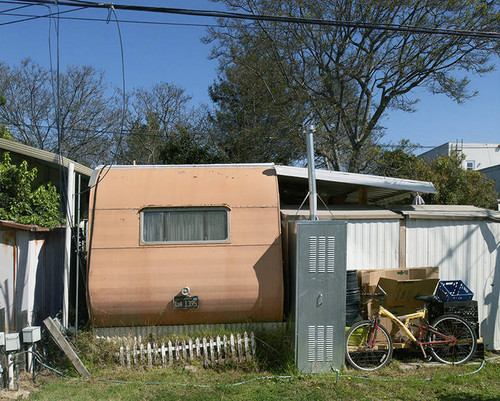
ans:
x=187 y=209
x=473 y=162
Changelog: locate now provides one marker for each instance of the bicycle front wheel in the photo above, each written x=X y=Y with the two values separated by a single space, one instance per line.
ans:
x=458 y=351
x=367 y=349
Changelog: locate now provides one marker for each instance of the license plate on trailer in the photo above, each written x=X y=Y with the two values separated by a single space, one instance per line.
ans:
x=184 y=302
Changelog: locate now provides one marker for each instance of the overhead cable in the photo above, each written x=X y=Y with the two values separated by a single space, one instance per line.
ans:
x=41 y=16
x=281 y=19
x=121 y=21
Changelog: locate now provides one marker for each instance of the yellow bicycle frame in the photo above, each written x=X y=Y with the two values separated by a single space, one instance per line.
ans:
x=407 y=318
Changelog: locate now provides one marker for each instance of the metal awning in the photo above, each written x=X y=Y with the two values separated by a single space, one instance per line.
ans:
x=336 y=184
x=42 y=156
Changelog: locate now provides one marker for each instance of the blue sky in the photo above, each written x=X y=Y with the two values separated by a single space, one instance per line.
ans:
x=175 y=54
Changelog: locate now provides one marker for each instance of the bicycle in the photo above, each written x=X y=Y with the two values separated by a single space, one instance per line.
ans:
x=450 y=339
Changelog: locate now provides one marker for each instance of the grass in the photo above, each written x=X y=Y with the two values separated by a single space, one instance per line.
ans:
x=271 y=377
x=392 y=383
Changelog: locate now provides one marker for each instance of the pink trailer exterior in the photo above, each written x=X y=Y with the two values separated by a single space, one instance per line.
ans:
x=139 y=260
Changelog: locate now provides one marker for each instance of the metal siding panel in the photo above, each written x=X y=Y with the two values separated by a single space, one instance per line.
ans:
x=467 y=251
x=372 y=244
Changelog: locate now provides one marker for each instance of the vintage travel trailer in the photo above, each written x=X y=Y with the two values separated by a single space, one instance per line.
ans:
x=206 y=234
x=183 y=245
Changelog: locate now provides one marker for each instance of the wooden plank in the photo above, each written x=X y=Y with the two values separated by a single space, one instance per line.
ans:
x=150 y=357
x=184 y=353
x=128 y=356
x=205 y=352
x=219 y=352
x=190 y=343
x=212 y=351
x=240 y=350
x=65 y=346
x=170 y=353
x=163 y=355
x=233 y=352
x=226 y=355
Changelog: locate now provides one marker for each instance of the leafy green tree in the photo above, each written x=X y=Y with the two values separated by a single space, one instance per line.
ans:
x=348 y=77
x=454 y=185
x=257 y=118
x=185 y=149
x=398 y=162
x=20 y=202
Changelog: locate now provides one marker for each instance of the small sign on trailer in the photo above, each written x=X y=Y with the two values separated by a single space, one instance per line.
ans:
x=186 y=302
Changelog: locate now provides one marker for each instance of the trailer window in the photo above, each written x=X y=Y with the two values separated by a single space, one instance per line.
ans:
x=184 y=225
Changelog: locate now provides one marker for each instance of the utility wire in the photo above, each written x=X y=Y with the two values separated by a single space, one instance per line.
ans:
x=272 y=18
x=121 y=21
x=15 y=8
x=42 y=16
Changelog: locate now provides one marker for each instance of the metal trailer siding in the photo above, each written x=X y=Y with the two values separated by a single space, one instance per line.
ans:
x=464 y=250
x=372 y=244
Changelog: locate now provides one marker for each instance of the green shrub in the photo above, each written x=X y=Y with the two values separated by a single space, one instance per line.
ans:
x=21 y=202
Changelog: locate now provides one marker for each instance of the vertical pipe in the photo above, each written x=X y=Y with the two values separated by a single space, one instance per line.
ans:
x=77 y=278
x=67 y=246
x=10 y=371
x=313 y=197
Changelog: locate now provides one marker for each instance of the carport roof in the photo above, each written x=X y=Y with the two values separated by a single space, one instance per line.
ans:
x=340 y=184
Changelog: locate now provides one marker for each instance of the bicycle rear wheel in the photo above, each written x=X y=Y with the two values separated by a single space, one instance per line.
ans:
x=362 y=355
x=459 y=351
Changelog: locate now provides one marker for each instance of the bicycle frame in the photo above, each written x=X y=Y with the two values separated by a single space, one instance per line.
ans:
x=398 y=320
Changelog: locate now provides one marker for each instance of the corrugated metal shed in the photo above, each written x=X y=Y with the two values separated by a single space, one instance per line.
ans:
x=463 y=241
x=464 y=249
x=30 y=274
x=372 y=234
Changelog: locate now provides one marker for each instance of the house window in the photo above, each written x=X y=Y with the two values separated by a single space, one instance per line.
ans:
x=184 y=225
x=470 y=165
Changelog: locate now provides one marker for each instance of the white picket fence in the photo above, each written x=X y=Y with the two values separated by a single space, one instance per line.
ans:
x=210 y=351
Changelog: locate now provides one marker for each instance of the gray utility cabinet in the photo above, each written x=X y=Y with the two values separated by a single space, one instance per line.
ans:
x=318 y=280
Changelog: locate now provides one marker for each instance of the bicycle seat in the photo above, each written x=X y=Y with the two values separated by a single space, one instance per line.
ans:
x=425 y=298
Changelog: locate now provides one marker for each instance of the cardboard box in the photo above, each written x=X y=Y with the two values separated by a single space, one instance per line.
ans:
x=368 y=279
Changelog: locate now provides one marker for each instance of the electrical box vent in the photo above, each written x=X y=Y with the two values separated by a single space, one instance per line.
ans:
x=320 y=342
x=321 y=254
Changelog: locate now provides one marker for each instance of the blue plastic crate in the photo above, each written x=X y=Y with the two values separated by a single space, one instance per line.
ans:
x=453 y=291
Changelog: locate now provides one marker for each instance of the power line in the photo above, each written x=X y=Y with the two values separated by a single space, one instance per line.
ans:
x=271 y=18
x=41 y=16
x=16 y=8
x=121 y=21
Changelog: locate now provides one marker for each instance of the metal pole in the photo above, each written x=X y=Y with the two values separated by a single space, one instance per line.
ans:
x=77 y=253
x=67 y=246
x=313 y=197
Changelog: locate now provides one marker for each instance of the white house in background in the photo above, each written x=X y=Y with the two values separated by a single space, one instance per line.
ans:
x=478 y=156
